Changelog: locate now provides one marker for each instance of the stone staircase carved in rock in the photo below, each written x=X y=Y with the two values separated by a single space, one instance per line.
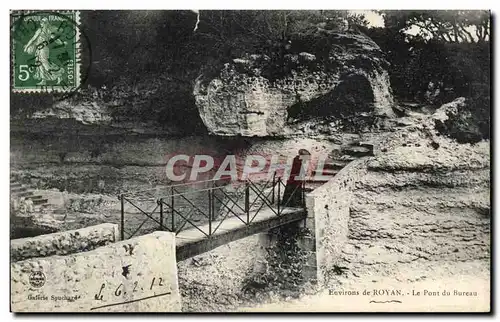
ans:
x=29 y=221
x=18 y=191
x=337 y=160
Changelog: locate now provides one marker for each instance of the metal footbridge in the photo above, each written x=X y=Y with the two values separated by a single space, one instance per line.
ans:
x=207 y=214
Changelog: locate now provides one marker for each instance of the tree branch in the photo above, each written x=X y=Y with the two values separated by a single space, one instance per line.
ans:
x=479 y=34
x=467 y=33
x=448 y=36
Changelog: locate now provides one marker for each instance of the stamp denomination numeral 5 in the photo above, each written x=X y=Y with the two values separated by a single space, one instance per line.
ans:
x=24 y=73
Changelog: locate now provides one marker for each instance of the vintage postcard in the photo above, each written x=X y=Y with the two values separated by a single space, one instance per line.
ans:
x=250 y=161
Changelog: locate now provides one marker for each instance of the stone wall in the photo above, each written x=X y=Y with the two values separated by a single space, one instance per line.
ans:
x=328 y=209
x=63 y=243
x=136 y=275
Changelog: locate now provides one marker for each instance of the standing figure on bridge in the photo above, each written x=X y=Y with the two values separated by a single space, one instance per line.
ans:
x=292 y=197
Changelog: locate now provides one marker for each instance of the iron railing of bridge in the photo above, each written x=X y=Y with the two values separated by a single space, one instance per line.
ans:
x=167 y=206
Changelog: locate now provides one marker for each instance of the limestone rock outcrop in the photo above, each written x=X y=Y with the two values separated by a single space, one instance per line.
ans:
x=442 y=113
x=412 y=211
x=257 y=95
x=85 y=112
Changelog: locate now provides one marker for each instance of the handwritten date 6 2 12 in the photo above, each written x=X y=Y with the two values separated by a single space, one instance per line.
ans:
x=136 y=287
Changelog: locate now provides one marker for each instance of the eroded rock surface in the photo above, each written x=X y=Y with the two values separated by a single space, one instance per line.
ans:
x=249 y=97
x=418 y=205
x=85 y=112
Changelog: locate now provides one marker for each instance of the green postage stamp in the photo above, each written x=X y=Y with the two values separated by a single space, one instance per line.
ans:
x=45 y=49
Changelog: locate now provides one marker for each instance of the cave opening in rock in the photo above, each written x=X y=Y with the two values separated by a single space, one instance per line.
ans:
x=352 y=96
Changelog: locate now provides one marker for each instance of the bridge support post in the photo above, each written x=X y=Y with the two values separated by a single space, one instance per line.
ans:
x=247 y=201
x=122 y=218
x=172 y=206
x=213 y=201
x=161 y=213
x=274 y=188
x=303 y=193
x=279 y=195
x=210 y=214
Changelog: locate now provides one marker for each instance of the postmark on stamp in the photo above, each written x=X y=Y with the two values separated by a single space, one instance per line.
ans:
x=45 y=51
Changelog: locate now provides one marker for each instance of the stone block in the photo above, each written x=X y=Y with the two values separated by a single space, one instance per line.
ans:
x=63 y=243
x=136 y=275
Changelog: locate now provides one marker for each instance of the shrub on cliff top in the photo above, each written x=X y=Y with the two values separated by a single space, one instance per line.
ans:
x=471 y=123
x=285 y=262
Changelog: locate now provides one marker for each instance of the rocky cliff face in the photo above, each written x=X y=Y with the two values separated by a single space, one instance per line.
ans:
x=84 y=113
x=421 y=224
x=321 y=77
x=117 y=110
x=259 y=96
x=418 y=210
x=422 y=209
